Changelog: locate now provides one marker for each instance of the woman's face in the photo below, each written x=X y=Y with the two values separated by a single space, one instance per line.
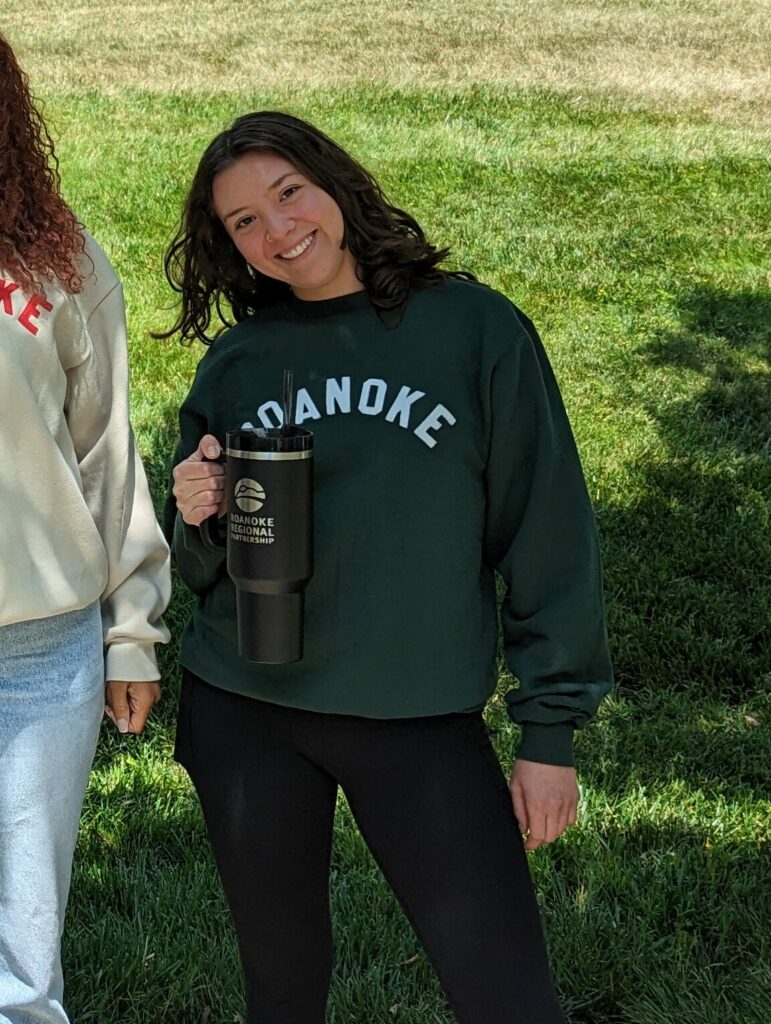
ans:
x=285 y=226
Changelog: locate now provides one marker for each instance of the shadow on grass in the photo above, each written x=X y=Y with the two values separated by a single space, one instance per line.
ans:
x=656 y=922
x=688 y=564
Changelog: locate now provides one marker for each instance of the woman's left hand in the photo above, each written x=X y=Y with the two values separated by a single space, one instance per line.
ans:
x=545 y=800
x=128 y=704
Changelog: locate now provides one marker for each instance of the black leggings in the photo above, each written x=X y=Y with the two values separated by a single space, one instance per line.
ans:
x=432 y=804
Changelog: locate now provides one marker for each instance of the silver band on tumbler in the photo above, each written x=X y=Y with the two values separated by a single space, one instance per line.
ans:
x=269 y=456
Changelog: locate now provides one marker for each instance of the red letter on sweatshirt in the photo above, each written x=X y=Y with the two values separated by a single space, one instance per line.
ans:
x=7 y=288
x=33 y=307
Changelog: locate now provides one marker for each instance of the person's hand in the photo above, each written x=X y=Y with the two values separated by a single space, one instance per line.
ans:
x=545 y=800
x=128 y=704
x=199 y=485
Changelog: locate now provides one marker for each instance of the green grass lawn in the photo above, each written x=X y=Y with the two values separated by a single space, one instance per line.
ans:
x=625 y=207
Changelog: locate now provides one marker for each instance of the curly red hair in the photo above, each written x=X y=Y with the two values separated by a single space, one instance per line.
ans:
x=40 y=239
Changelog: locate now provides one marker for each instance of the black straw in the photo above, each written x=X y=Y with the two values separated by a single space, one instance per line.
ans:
x=288 y=400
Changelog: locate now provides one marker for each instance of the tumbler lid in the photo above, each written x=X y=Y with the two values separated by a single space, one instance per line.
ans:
x=270 y=627
x=268 y=439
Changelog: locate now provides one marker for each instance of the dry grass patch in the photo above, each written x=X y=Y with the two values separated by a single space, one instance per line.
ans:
x=707 y=56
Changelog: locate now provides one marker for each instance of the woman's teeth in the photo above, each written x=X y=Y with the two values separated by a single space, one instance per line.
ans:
x=299 y=249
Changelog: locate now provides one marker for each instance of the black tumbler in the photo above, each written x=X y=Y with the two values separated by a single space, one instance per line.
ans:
x=269 y=487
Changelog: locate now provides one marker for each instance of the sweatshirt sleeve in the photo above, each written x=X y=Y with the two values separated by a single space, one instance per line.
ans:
x=199 y=553
x=117 y=495
x=541 y=538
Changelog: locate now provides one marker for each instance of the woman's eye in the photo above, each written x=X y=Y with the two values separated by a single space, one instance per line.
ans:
x=244 y=222
x=289 y=191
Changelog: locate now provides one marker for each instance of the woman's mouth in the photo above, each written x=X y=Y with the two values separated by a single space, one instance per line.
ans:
x=297 y=250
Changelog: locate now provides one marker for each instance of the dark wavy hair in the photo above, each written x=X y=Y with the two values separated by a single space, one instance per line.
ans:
x=204 y=266
x=40 y=239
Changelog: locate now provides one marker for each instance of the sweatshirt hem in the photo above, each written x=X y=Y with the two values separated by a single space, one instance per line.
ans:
x=225 y=677
x=76 y=605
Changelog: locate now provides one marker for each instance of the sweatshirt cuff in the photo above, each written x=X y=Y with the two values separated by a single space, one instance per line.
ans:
x=131 y=663
x=547 y=744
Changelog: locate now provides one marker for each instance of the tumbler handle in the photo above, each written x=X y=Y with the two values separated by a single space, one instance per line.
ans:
x=211 y=529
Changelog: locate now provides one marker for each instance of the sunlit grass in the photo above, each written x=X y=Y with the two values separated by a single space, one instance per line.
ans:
x=671 y=55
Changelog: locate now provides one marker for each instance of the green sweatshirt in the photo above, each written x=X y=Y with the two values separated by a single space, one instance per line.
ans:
x=442 y=455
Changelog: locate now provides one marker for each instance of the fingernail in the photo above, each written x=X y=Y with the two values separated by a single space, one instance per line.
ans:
x=122 y=724
x=213 y=451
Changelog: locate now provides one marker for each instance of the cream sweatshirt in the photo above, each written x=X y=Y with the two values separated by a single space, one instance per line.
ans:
x=77 y=518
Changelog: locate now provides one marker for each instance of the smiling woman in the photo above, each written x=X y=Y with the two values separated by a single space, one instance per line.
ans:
x=364 y=241
x=285 y=226
x=413 y=516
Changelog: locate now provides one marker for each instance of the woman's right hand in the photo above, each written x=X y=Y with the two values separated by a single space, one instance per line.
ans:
x=199 y=484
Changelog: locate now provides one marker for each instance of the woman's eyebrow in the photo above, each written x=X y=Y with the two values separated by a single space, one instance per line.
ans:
x=275 y=184
x=278 y=181
x=234 y=212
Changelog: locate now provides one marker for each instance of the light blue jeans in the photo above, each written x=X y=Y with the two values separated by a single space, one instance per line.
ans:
x=51 y=704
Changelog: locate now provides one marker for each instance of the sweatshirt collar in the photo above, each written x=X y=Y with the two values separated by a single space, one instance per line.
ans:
x=321 y=308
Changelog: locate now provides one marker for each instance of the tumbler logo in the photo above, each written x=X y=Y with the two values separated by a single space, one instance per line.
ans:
x=250 y=496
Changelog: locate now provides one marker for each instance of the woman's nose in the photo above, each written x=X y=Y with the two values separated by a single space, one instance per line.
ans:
x=278 y=228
